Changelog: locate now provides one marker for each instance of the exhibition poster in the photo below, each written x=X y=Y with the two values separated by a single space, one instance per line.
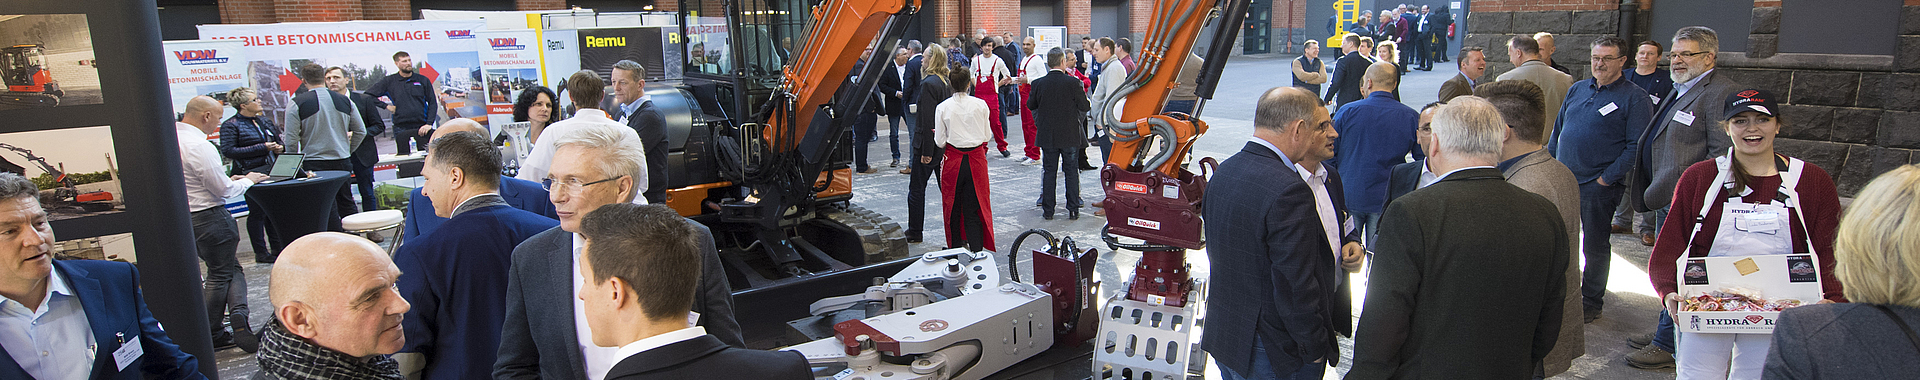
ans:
x=204 y=67
x=511 y=59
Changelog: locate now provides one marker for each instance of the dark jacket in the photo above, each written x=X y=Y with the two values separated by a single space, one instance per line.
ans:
x=457 y=281
x=1843 y=341
x=652 y=127
x=1668 y=146
x=538 y=340
x=368 y=153
x=706 y=358
x=1348 y=72
x=1057 y=102
x=933 y=90
x=1376 y=133
x=244 y=140
x=1403 y=179
x=1276 y=281
x=891 y=82
x=1456 y=87
x=110 y=294
x=1463 y=287
x=412 y=99
x=519 y=193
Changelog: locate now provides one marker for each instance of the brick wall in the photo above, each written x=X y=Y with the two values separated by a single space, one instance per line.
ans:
x=318 y=10
x=542 y=5
x=270 y=11
x=1855 y=116
x=387 y=9
x=1079 y=19
x=247 y=12
x=1138 y=11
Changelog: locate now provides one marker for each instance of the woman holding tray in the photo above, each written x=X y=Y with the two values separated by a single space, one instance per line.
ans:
x=1749 y=202
x=1877 y=254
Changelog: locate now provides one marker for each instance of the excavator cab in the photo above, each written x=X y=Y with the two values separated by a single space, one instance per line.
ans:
x=24 y=69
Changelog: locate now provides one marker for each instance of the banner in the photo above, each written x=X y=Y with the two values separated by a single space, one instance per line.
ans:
x=1046 y=38
x=204 y=67
x=445 y=51
x=512 y=63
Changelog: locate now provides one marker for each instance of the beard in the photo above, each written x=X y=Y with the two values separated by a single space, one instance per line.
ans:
x=406 y=70
x=1683 y=77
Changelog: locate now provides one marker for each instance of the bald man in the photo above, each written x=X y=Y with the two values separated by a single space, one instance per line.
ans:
x=519 y=193
x=215 y=236
x=1378 y=133
x=457 y=275
x=336 y=311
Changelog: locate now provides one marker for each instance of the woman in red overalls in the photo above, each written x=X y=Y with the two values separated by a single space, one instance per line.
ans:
x=960 y=129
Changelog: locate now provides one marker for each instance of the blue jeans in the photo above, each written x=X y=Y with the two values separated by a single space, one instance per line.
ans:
x=1181 y=106
x=1663 y=335
x=1597 y=203
x=1369 y=224
x=1263 y=368
x=893 y=137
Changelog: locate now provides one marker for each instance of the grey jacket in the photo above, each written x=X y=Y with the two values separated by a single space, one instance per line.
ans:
x=1552 y=82
x=1539 y=173
x=538 y=340
x=1842 y=341
x=330 y=132
x=1669 y=146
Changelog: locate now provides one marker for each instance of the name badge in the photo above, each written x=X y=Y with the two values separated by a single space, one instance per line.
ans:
x=1683 y=117
x=1608 y=109
x=127 y=353
x=1766 y=222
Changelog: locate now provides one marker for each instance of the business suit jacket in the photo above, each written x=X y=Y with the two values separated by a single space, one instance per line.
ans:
x=1553 y=84
x=652 y=127
x=1273 y=270
x=456 y=280
x=1348 y=72
x=519 y=193
x=110 y=295
x=706 y=358
x=539 y=340
x=933 y=90
x=1669 y=146
x=1403 y=179
x=1453 y=297
x=1540 y=173
x=1057 y=102
x=368 y=153
x=1456 y=87
x=890 y=82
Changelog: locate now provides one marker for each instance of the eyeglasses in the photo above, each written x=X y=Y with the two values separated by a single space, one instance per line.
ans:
x=1688 y=55
x=1604 y=58
x=571 y=186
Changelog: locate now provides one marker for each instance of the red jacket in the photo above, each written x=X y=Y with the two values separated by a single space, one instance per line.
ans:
x=1819 y=202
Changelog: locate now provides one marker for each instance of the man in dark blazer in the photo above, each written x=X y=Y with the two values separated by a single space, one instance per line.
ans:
x=635 y=109
x=1407 y=177
x=73 y=299
x=457 y=276
x=898 y=81
x=519 y=193
x=641 y=270
x=540 y=338
x=1348 y=72
x=1274 y=310
x=367 y=154
x=1461 y=285
x=1473 y=65
x=1057 y=102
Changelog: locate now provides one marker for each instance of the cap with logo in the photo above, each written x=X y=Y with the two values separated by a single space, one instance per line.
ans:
x=1751 y=100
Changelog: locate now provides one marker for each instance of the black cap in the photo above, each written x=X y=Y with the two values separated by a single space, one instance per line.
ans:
x=1751 y=100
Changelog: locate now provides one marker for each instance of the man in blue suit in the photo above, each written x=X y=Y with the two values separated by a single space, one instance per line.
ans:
x=74 y=319
x=1380 y=133
x=519 y=193
x=456 y=277
x=1275 y=308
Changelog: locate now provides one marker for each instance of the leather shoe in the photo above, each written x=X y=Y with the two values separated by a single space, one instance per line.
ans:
x=1005 y=154
x=1073 y=213
x=906 y=171
x=243 y=335
x=1048 y=214
x=1646 y=240
x=913 y=237
x=1589 y=315
x=1640 y=341
x=869 y=171
x=1100 y=204
x=895 y=164
x=1619 y=229
x=1650 y=357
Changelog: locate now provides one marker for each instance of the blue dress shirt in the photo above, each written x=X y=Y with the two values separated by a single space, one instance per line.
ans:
x=53 y=342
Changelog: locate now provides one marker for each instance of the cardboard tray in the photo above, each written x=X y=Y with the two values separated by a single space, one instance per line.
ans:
x=1794 y=276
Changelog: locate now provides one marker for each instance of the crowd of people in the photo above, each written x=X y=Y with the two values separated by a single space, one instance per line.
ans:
x=570 y=269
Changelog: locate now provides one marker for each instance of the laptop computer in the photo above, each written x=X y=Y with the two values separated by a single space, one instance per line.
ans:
x=285 y=166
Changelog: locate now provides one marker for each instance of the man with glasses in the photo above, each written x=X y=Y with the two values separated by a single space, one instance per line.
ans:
x=1673 y=141
x=1407 y=177
x=456 y=277
x=586 y=89
x=546 y=335
x=1596 y=137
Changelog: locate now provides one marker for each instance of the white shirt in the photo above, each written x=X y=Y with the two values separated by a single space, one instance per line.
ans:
x=1323 y=204
x=208 y=186
x=901 y=70
x=53 y=342
x=540 y=160
x=598 y=359
x=989 y=68
x=657 y=341
x=1035 y=66
x=961 y=121
x=1426 y=176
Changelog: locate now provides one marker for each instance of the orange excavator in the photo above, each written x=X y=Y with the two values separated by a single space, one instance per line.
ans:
x=29 y=82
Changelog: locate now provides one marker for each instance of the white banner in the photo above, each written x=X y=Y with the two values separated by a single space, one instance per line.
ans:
x=446 y=51
x=204 y=67
x=512 y=62
x=1047 y=37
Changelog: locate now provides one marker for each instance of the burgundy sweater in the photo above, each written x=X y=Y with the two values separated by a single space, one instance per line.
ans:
x=1819 y=202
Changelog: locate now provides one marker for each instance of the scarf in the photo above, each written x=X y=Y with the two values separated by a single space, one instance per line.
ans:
x=286 y=356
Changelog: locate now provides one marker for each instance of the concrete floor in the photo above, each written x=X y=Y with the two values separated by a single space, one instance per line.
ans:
x=1631 y=307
